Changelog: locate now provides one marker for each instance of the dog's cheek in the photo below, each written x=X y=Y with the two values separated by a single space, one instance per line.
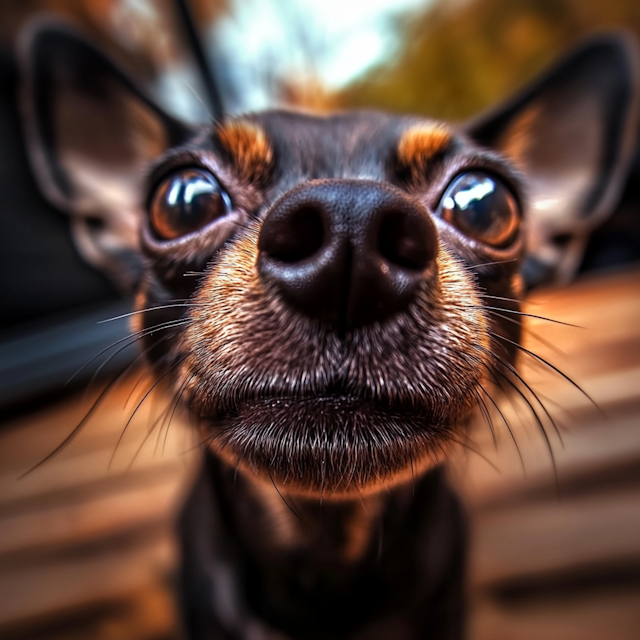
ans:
x=242 y=334
x=157 y=323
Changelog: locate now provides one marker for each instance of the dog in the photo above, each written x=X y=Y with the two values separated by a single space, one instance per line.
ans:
x=332 y=298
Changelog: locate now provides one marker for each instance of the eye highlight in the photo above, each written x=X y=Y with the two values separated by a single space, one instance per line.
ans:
x=481 y=207
x=185 y=201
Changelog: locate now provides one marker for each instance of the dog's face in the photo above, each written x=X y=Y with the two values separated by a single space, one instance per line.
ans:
x=330 y=295
x=336 y=334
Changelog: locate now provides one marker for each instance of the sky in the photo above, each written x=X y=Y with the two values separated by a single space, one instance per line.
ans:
x=332 y=40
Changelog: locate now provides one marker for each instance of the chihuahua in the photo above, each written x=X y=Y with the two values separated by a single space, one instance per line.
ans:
x=331 y=297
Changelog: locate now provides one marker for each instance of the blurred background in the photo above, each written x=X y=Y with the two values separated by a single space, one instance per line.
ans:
x=86 y=549
x=446 y=59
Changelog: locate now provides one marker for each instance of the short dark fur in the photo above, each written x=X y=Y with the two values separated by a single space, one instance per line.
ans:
x=269 y=338
x=322 y=510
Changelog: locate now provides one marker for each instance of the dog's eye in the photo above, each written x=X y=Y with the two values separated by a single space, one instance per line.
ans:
x=481 y=207
x=186 y=201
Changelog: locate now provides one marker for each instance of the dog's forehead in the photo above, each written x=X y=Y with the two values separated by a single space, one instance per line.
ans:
x=349 y=145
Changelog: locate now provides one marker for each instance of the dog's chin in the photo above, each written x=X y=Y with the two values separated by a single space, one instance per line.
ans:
x=332 y=446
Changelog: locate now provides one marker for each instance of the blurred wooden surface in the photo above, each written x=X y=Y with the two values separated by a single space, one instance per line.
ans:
x=86 y=547
x=557 y=555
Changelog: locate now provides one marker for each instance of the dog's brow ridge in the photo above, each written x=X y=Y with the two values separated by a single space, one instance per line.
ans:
x=248 y=147
x=420 y=143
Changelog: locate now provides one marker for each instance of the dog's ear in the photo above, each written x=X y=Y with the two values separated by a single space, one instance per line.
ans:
x=89 y=132
x=572 y=134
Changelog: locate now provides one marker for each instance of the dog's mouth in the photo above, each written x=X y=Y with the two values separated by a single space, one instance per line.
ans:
x=334 y=442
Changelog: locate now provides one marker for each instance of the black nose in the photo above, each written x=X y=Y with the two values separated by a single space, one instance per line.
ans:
x=347 y=252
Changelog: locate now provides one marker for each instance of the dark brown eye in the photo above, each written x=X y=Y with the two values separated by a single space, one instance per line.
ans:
x=186 y=201
x=482 y=208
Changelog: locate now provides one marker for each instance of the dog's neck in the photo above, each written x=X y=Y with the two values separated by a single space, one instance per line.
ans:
x=333 y=532
x=297 y=559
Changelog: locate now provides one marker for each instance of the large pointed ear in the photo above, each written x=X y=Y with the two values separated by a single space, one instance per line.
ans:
x=90 y=131
x=572 y=134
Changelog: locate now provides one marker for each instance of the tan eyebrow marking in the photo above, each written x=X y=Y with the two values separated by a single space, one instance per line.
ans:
x=422 y=142
x=247 y=144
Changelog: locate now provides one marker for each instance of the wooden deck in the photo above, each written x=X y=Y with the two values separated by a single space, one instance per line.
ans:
x=86 y=549
x=557 y=555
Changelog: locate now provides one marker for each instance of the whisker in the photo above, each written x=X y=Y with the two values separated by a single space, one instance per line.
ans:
x=506 y=424
x=531 y=332
x=139 y=311
x=140 y=355
x=486 y=295
x=165 y=416
x=490 y=264
x=142 y=376
x=519 y=378
x=146 y=395
x=487 y=417
x=558 y=405
x=282 y=497
x=82 y=422
x=518 y=313
x=145 y=373
x=438 y=444
x=175 y=406
x=197 y=96
x=236 y=469
x=477 y=452
x=413 y=477
x=532 y=392
x=548 y=364
x=145 y=439
x=537 y=418
x=133 y=337
x=203 y=443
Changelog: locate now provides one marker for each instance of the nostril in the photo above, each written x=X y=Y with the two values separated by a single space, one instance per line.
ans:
x=347 y=252
x=293 y=237
x=406 y=240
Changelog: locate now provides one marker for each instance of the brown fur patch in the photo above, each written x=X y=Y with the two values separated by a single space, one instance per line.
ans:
x=423 y=142
x=248 y=147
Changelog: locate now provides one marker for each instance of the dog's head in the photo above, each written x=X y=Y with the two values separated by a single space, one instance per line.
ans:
x=330 y=294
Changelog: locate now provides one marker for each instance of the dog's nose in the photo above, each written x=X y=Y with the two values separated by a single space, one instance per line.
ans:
x=347 y=252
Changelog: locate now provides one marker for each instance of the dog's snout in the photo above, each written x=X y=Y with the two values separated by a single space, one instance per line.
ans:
x=347 y=252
